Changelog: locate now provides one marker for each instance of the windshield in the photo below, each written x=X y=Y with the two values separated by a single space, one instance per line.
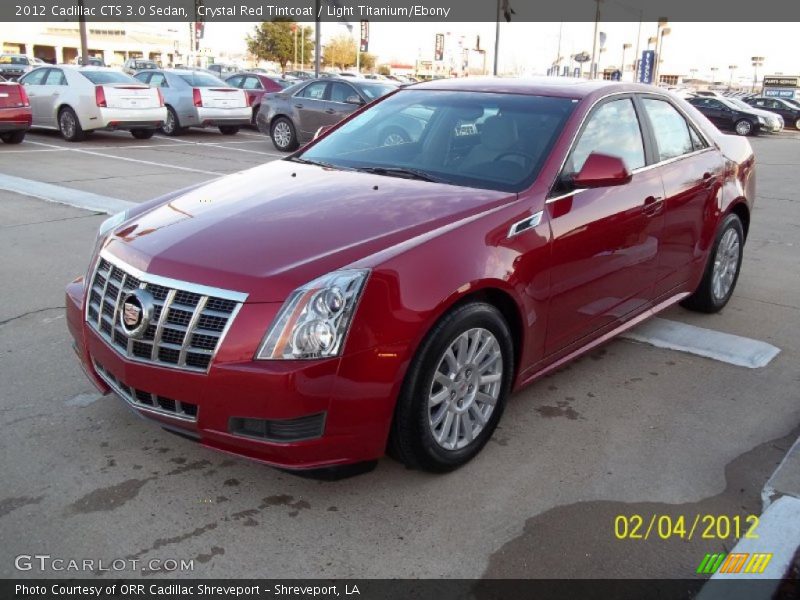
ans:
x=791 y=103
x=375 y=90
x=484 y=140
x=202 y=80
x=101 y=77
x=145 y=64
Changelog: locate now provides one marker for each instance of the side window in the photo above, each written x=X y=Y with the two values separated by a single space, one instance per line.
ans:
x=158 y=80
x=315 y=91
x=669 y=127
x=55 y=77
x=34 y=77
x=340 y=92
x=715 y=104
x=143 y=77
x=697 y=142
x=235 y=81
x=760 y=103
x=251 y=83
x=612 y=129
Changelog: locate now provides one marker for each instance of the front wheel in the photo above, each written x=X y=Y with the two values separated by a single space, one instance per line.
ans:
x=797 y=124
x=743 y=127
x=13 y=137
x=228 y=129
x=142 y=134
x=722 y=270
x=455 y=390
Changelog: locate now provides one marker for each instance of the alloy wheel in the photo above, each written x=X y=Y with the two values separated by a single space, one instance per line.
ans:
x=726 y=264
x=465 y=389
x=282 y=134
x=67 y=124
x=743 y=127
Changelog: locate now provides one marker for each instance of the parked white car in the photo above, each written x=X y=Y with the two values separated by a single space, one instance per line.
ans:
x=78 y=100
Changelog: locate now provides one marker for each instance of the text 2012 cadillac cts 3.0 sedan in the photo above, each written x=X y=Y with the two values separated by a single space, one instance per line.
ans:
x=358 y=297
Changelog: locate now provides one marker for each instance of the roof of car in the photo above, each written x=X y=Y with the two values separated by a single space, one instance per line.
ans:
x=549 y=86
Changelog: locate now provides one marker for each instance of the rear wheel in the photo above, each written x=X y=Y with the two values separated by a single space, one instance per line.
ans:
x=722 y=270
x=283 y=135
x=172 y=126
x=13 y=137
x=455 y=390
x=797 y=124
x=228 y=129
x=142 y=134
x=743 y=127
x=70 y=126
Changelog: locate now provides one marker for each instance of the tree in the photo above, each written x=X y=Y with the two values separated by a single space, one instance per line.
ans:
x=275 y=41
x=384 y=70
x=341 y=52
x=368 y=61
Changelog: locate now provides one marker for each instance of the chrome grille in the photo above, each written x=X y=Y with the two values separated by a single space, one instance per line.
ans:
x=145 y=400
x=188 y=323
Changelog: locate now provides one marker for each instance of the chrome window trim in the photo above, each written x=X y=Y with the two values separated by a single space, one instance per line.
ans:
x=567 y=195
x=671 y=160
x=710 y=143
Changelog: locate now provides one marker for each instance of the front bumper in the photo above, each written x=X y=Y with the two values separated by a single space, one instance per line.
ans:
x=355 y=393
x=128 y=118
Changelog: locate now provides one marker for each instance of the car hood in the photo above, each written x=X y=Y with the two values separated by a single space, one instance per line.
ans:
x=270 y=229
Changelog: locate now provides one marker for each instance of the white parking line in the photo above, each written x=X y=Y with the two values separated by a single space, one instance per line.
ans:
x=733 y=349
x=63 y=195
x=220 y=145
x=136 y=160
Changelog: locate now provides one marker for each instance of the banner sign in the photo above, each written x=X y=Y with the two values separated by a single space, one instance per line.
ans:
x=439 y=49
x=365 y=36
x=775 y=81
x=645 y=73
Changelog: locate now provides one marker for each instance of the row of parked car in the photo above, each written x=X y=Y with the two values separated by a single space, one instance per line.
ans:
x=749 y=115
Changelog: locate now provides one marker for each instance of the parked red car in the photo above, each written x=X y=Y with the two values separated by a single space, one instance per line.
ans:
x=15 y=112
x=357 y=296
x=258 y=84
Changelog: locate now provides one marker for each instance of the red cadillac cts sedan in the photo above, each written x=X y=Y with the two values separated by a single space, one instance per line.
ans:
x=358 y=297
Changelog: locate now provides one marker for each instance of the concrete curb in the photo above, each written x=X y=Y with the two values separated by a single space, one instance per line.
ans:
x=778 y=533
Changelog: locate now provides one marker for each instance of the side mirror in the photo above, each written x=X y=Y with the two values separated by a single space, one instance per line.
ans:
x=354 y=100
x=322 y=131
x=602 y=170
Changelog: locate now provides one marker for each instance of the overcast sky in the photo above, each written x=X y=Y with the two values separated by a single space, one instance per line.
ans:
x=533 y=46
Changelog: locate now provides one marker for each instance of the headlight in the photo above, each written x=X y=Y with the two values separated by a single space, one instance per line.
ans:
x=314 y=320
x=110 y=223
x=762 y=120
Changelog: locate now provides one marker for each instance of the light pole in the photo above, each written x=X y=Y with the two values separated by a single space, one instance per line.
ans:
x=625 y=48
x=594 y=39
x=758 y=61
x=732 y=69
x=714 y=75
x=660 y=49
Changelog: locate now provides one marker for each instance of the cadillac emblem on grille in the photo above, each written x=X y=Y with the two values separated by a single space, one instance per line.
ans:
x=137 y=311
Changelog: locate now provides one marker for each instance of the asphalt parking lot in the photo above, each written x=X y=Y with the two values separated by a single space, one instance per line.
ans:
x=628 y=429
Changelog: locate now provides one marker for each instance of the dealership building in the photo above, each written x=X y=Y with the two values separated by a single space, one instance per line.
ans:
x=166 y=43
x=781 y=86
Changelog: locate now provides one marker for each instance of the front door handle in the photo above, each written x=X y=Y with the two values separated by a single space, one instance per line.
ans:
x=330 y=111
x=652 y=205
x=298 y=106
x=708 y=179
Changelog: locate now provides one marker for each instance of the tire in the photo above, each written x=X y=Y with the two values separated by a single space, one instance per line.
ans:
x=172 y=126
x=417 y=424
x=797 y=124
x=286 y=139
x=13 y=137
x=743 y=127
x=254 y=118
x=142 y=134
x=70 y=126
x=722 y=269
x=228 y=129
x=393 y=136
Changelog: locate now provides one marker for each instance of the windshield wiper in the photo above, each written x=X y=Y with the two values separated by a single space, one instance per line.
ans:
x=318 y=163
x=404 y=172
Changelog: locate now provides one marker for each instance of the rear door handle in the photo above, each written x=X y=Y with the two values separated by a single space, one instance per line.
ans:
x=708 y=179
x=330 y=111
x=298 y=106
x=652 y=205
